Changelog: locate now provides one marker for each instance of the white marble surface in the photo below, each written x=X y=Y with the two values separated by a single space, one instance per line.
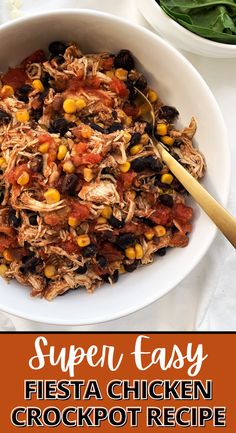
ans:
x=206 y=299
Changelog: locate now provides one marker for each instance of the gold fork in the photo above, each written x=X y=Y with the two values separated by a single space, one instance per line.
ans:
x=225 y=222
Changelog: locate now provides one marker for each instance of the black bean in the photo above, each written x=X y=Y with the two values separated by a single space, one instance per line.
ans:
x=115 y=276
x=2 y=192
x=45 y=78
x=13 y=220
x=36 y=165
x=130 y=267
x=125 y=240
x=161 y=252
x=89 y=251
x=23 y=92
x=141 y=83
x=36 y=114
x=149 y=128
x=69 y=184
x=153 y=163
x=114 y=114
x=97 y=127
x=30 y=264
x=132 y=92
x=102 y=261
x=4 y=117
x=148 y=162
x=115 y=223
x=59 y=125
x=115 y=127
x=148 y=222
x=33 y=219
x=43 y=95
x=124 y=60
x=81 y=270
x=168 y=113
x=111 y=278
x=167 y=200
x=59 y=59
x=57 y=47
x=135 y=139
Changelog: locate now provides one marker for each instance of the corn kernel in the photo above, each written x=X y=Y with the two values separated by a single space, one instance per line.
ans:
x=43 y=148
x=88 y=174
x=2 y=162
x=73 y=222
x=8 y=256
x=3 y=270
x=125 y=167
x=22 y=116
x=130 y=253
x=83 y=240
x=110 y=73
x=136 y=149
x=160 y=230
x=166 y=139
x=70 y=117
x=69 y=106
x=138 y=251
x=167 y=178
x=122 y=269
x=23 y=179
x=161 y=129
x=121 y=74
x=86 y=131
x=152 y=95
x=68 y=167
x=101 y=220
x=52 y=196
x=49 y=271
x=100 y=124
x=38 y=85
x=145 y=139
x=80 y=104
x=62 y=151
x=149 y=235
x=107 y=212
x=127 y=136
x=7 y=91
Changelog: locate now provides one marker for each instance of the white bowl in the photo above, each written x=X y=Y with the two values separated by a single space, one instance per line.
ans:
x=179 y=36
x=178 y=84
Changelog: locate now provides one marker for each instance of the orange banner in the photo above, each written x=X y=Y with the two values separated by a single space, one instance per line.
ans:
x=133 y=382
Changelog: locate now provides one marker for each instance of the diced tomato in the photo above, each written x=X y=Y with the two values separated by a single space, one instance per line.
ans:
x=70 y=247
x=93 y=82
x=119 y=87
x=80 y=148
x=44 y=137
x=15 y=173
x=9 y=231
x=131 y=110
x=179 y=240
x=110 y=252
x=58 y=218
x=137 y=229
x=127 y=179
x=87 y=158
x=182 y=213
x=15 y=77
x=79 y=211
x=107 y=64
x=36 y=57
x=5 y=242
x=162 y=215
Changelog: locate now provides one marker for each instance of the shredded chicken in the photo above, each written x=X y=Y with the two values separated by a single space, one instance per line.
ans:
x=80 y=201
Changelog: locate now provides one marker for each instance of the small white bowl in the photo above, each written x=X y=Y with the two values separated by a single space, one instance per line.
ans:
x=179 y=36
x=178 y=84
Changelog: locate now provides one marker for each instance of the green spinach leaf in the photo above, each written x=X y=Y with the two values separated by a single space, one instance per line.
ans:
x=211 y=19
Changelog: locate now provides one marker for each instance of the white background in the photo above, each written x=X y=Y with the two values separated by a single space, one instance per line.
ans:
x=206 y=299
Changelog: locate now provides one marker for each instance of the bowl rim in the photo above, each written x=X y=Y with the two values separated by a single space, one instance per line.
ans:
x=187 y=33
x=225 y=193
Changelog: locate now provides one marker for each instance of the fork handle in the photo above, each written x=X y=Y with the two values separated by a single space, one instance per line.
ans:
x=218 y=214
